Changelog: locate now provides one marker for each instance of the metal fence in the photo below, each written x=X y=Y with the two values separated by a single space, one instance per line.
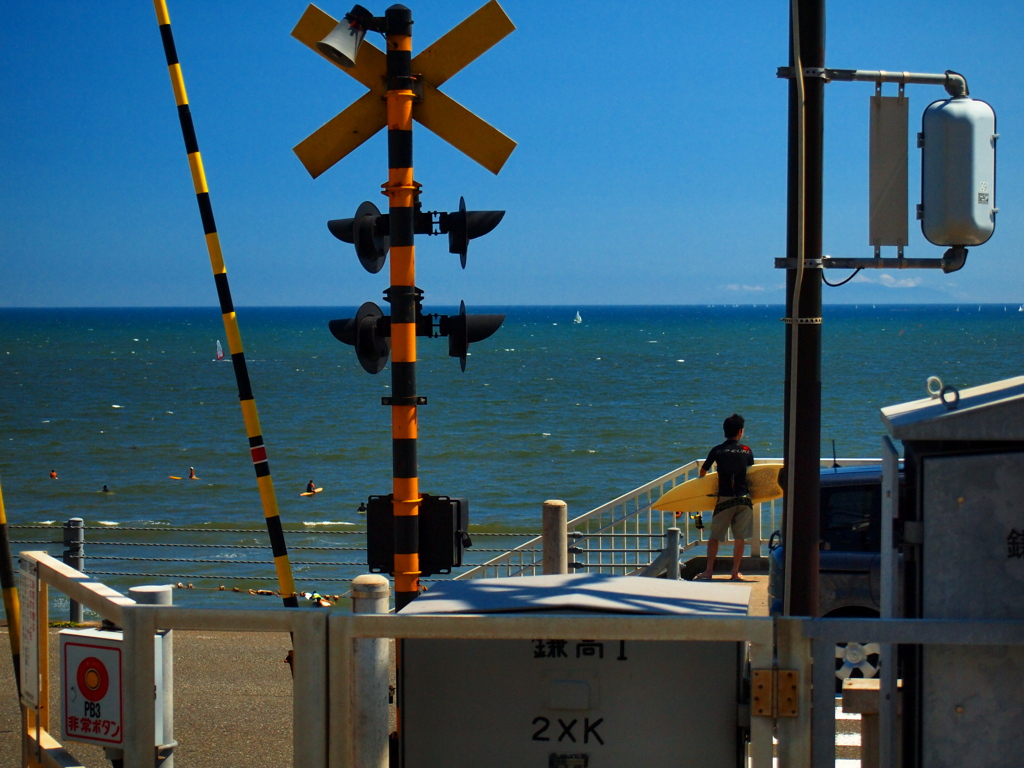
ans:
x=324 y=640
x=235 y=561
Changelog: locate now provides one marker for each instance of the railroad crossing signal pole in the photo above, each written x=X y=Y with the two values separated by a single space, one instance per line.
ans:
x=401 y=192
x=403 y=88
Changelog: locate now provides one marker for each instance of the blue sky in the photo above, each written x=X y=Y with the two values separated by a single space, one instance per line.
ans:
x=650 y=167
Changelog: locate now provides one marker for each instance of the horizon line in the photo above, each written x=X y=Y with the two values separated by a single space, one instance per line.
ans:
x=726 y=304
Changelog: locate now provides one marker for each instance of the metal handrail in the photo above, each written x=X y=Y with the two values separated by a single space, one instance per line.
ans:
x=633 y=509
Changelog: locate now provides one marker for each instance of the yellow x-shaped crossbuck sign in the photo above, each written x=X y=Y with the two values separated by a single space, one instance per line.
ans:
x=434 y=66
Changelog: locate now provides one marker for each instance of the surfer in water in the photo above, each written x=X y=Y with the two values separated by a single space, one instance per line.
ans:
x=310 y=487
x=734 y=508
x=53 y=474
x=192 y=473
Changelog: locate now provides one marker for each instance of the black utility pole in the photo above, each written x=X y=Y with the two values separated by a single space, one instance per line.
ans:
x=802 y=442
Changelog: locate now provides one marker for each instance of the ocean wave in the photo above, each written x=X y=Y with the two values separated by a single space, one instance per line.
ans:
x=327 y=522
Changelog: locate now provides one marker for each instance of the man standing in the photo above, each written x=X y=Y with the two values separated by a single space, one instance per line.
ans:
x=734 y=508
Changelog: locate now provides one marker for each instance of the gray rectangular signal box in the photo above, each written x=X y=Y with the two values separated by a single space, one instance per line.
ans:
x=963 y=553
x=556 y=702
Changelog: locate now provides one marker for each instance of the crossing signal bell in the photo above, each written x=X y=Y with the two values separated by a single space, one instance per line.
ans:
x=342 y=43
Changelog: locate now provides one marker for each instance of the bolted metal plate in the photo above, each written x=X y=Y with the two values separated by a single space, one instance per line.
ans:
x=761 y=692
x=789 y=695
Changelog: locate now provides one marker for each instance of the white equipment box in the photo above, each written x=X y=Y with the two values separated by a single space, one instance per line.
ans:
x=92 y=673
x=573 y=702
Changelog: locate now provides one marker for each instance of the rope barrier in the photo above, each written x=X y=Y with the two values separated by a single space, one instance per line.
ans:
x=477 y=550
x=110 y=531
x=206 y=546
x=356 y=532
x=203 y=576
x=219 y=562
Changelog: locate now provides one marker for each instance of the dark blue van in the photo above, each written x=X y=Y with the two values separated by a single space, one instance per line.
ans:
x=849 y=567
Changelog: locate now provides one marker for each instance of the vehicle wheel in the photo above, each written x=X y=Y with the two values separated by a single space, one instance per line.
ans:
x=856 y=660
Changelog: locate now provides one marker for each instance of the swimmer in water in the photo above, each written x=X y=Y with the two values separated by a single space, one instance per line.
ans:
x=53 y=474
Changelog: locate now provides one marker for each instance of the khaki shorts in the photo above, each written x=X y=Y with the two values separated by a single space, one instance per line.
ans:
x=738 y=516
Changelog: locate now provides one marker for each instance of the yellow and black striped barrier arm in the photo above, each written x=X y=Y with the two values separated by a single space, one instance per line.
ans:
x=252 y=422
x=401 y=192
x=11 y=607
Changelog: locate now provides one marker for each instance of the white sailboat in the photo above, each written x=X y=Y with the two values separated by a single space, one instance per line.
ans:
x=220 y=352
x=577 y=319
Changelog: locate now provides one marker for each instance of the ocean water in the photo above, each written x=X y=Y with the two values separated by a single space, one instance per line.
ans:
x=547 y=408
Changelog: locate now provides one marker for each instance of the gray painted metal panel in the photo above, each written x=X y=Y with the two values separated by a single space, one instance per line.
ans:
x=887 y=207
x=972 y=706
x=618 y=703
x=972 y=508
x=556 y=701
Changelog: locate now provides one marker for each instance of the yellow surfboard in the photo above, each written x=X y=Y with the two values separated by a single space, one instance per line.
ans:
x=701 y=493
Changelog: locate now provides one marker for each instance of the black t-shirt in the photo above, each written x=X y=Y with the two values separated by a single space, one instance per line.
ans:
x=732 y=458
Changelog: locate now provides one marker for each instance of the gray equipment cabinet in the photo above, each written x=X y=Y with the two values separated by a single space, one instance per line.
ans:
x=571 y=702
x=963 y=548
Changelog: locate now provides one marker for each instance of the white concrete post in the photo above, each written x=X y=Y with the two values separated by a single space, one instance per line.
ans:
x=555 y=537
x=672 y=545
x=370 y=661
x=138 y=722
x=310 y=731
x=162 y=595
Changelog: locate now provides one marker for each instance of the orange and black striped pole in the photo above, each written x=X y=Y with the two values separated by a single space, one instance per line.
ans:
x=252 y=422
x=11 y=606
x=401 y=191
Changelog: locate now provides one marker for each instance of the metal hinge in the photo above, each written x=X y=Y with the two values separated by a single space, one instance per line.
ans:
x=775 y=693
x=913 y=532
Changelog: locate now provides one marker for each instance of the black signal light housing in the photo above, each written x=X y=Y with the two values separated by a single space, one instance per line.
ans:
x=369 y=332
x=443 y=534
x=463 y=330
